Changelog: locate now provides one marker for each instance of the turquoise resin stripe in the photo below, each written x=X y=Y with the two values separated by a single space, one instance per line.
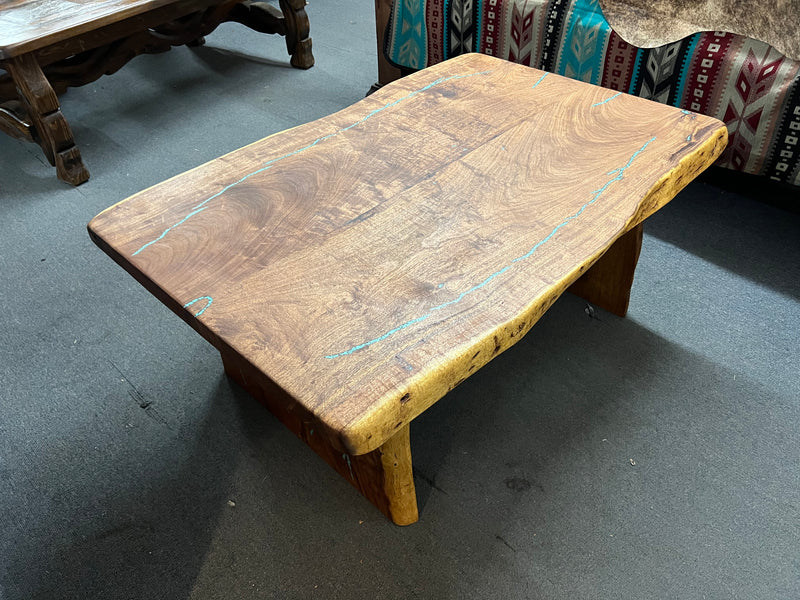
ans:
x=201 y=311
x=201 y=207
x=597 y=193
x=609 y=99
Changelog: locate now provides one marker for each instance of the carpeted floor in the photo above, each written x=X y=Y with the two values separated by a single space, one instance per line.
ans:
x=656 y=456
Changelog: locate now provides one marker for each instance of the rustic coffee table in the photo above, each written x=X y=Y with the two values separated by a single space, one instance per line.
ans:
x=49 y=45
x=353 y=270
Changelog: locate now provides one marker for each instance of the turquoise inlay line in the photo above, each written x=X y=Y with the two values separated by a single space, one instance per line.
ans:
x=383 y=337
x=349 y=465
x=689 y=138
x=607 y=99
x=538 y=81
x=597 y=193
x=168 y=229
x=200 y=312
x=374 y=112
x=227 y=187
x=201 y=207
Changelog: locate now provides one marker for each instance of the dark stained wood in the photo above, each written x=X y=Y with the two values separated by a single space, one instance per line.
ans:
x=29 y=25
x=72 y=43
x=12 y=124
x=368 y=262
x=49 y=128
x=291 y=21
x=56 y=28
x=297 y=41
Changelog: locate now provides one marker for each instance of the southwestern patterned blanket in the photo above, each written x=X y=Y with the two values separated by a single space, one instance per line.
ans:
x=746 y=83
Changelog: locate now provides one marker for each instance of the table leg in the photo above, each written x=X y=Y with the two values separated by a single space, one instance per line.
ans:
x=384 y=476
x=50 y=129
x=386 y=72
x=608 y=281
x=297 y=41
x=290 y=21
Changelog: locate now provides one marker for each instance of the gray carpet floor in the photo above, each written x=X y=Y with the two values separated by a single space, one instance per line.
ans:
x=655 y=456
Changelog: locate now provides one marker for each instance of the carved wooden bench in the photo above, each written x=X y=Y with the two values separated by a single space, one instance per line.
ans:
x=353 y=270
x=49 y=45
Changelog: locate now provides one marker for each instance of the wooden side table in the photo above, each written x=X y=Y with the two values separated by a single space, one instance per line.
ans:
x=49 y=45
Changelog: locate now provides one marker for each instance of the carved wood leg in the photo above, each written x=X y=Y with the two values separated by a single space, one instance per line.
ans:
x=298 y=43
x=12 y=122
x=49 y=127
x=384 y=476
x=608 y=282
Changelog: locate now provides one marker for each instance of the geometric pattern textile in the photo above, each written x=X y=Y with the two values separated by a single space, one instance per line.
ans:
x=747 y=84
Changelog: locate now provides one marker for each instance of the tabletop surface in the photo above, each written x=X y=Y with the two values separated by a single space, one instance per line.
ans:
x=27 y=25
x=370 y=261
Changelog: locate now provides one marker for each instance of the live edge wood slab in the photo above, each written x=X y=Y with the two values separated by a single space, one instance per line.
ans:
x=47 y=46
x=353 y=270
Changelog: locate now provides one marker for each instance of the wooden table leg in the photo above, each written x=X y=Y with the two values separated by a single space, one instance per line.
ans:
x=383 y=476
x=290 y=21
x=386 y=72
x=608 y=282
x=297 y=41
x=50 y=129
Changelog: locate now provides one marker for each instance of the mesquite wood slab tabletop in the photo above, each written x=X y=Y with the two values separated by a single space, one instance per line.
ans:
x=353 y=270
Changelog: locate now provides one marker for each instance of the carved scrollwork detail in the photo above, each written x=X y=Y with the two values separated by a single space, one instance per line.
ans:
x=26 y=114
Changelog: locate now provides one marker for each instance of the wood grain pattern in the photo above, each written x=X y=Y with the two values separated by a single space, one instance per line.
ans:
x=357 y=259
x=28 y=25
x=368 y=262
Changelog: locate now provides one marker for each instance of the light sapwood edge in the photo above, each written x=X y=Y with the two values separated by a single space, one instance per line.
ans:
x=398 y=472
x=688 y=168
x=372 y=429
x=384 y=477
